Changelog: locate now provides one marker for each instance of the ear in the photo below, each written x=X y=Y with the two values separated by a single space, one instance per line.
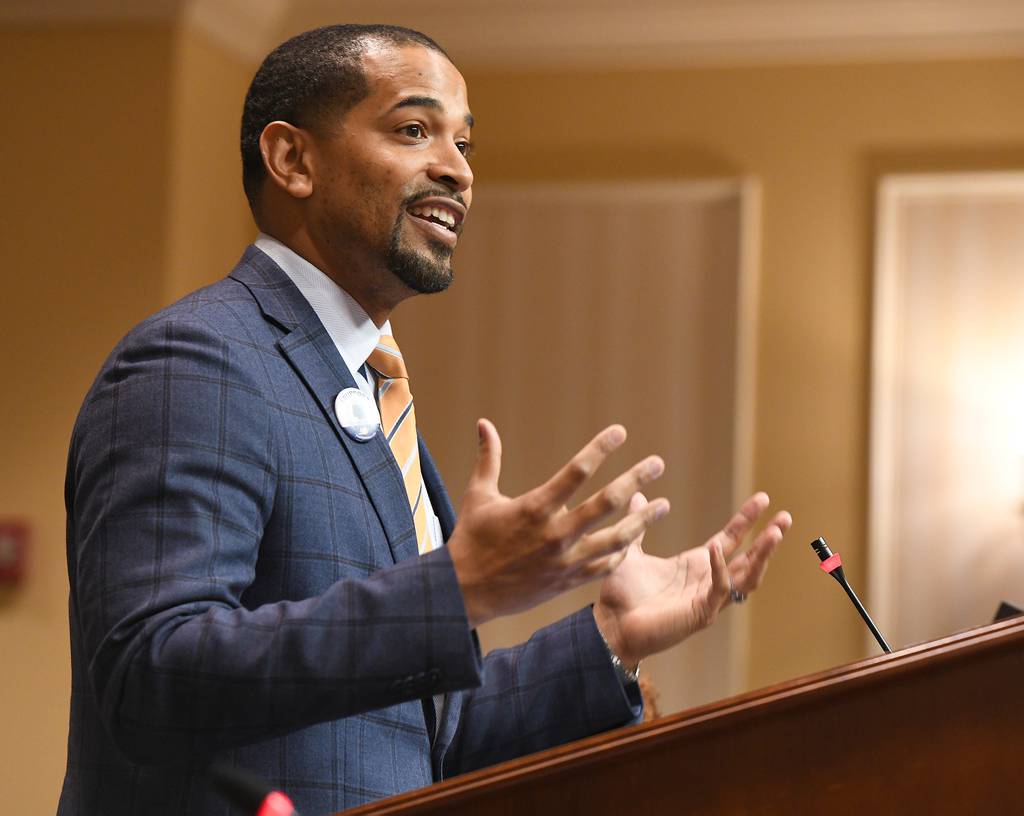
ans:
x=285 y=150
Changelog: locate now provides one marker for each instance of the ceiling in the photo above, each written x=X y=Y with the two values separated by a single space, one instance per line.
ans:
x=519 y=34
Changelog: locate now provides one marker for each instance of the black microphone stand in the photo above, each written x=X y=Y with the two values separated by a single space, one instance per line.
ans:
x=833 y=565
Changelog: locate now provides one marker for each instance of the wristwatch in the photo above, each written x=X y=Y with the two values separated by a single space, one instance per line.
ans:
x=626 y=675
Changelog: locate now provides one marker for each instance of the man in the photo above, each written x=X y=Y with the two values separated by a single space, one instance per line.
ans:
x=260 y=576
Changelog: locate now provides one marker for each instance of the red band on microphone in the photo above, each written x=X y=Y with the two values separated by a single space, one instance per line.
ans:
x=276 y=804
x=832 y=562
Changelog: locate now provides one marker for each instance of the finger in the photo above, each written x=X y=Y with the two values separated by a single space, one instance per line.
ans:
x=618 y=536
x=636 y=503
x=560 y=488
x=488 y=457
x=748 y=572
x=718 y=595
x=783 y=520
x=606 y=564
x=731 y=536
x=603 y=566
x=612 y=498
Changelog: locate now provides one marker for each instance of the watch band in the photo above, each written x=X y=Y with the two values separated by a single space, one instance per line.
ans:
x=626 y=674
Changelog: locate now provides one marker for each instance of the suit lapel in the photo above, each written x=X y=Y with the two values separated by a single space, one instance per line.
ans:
x=311 y=352
x=435 y=489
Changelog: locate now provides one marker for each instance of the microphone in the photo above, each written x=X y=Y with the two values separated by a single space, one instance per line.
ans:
x=833 y=565
x=245 y=790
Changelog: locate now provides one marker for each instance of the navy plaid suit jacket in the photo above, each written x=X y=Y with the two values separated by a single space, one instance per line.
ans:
x=244 y=583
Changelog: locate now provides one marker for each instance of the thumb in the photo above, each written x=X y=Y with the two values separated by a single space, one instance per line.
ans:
x=488 y=457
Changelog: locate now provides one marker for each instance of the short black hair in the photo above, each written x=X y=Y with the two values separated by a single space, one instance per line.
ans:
x=315 y=73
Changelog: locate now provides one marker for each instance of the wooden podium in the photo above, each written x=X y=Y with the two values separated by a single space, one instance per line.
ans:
x=935 y=728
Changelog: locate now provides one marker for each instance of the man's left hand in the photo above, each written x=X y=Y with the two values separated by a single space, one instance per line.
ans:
x=649 y=604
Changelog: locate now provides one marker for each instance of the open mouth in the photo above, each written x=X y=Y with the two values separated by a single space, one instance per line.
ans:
x=445 y=213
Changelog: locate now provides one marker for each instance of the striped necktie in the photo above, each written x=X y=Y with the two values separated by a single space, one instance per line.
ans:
x=398 y=419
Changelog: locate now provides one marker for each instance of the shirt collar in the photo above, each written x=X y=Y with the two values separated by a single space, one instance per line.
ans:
x=353 y=332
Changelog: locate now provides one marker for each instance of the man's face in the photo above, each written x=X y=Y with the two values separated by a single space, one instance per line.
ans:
x=392 y=183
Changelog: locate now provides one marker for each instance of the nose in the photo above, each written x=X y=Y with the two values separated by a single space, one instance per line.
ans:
x=451 y=168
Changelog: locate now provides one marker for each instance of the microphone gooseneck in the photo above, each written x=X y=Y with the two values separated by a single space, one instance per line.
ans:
x=833 y=565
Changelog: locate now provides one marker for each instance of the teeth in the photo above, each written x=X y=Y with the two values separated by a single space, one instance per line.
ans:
x=434 y=212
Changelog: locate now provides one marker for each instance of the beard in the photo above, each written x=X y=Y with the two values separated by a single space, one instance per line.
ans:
x=424 y=273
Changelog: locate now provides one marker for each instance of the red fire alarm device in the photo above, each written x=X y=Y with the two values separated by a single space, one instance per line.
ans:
x=13 y=552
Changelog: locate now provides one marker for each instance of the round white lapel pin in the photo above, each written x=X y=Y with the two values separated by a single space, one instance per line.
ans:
x=357 y=414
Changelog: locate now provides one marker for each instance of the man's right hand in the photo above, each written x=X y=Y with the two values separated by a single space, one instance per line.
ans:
x=511 y=554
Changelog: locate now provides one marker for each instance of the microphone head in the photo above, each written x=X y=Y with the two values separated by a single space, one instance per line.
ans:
x=821 y=548
x=248 y=791
x=833 y=565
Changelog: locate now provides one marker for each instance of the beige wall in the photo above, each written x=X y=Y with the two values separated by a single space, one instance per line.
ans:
x=82 y=239
x=817 y=137
x=122 y=140
x=106 y=165
x=209 y=222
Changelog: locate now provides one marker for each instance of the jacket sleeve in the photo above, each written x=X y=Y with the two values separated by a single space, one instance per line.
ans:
x=557 y=687
x=172 y=480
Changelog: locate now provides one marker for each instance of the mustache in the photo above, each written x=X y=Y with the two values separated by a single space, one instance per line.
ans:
x=436 y=192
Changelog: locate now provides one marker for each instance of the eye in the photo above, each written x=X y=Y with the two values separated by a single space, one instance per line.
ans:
x=465 y=148
x=413 y=131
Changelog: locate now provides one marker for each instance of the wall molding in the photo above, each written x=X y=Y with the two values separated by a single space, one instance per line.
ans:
x=896 y=570
x=524 y=34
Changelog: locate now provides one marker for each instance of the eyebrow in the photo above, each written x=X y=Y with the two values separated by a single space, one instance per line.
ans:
x=428 y=102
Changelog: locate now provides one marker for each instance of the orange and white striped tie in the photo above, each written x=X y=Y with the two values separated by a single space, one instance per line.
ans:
x=398 y=419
